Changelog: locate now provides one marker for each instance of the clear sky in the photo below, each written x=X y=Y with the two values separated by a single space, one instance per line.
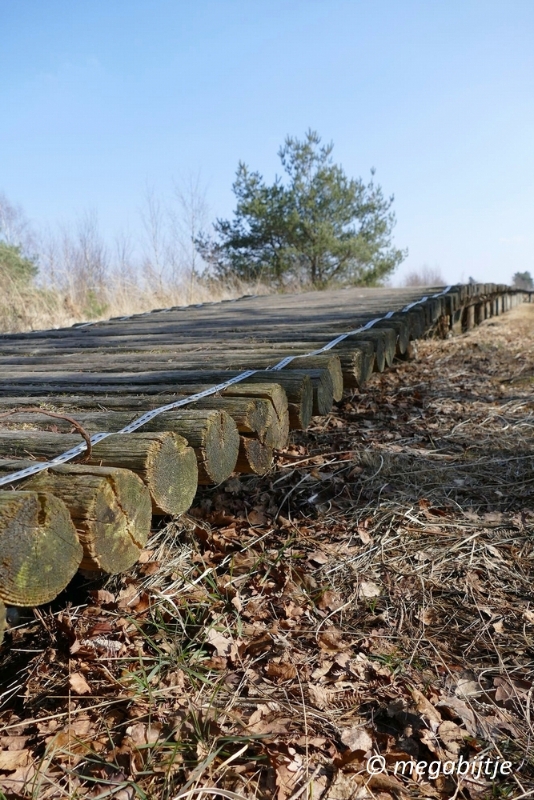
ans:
x=99 y=98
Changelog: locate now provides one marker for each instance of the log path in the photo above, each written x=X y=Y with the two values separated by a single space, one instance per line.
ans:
x=276 y=360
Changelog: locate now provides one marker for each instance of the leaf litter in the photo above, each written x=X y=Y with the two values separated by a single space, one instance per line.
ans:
x=372 y=595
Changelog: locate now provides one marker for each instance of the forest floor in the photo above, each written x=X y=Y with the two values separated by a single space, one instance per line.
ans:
x=366 y=607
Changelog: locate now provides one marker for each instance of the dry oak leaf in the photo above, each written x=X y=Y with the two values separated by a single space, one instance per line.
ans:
x=102 y=596
x=222 y=645
x=141 y=734
x=452 y=737
x=18 y=780
x=356 y=739
x=426 y=616
x=318 y=557
x=329 y=601
x=78 y=684
x=13 y=759
x=13 y=742
x=331 y=640
x=458 y=708
x=426 y=709
x=369 y=589
x=288 y=770
x=282 y=672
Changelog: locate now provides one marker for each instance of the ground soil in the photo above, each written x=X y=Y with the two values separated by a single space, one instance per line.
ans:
x=371 y=597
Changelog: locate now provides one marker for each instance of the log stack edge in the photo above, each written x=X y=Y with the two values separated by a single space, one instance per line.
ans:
x=97 y=515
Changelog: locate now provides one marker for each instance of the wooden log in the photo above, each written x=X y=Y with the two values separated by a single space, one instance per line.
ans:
x=288 y=310
x=277 y=431
x=2 y=621
x=39 y=549
x=110 y=508
x=468 y=320
x=212 y=435
x=254 y=457
x=223 y=357
x=299 y=312
x=385 y=344
x=276 y=427
x=402 y=331
x=296 y=384
x=163 y=461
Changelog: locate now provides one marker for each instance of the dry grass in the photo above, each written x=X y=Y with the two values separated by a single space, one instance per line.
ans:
x=29 y=308
x=372 y=595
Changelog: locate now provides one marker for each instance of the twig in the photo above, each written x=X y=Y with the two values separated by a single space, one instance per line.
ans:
x=35 y=410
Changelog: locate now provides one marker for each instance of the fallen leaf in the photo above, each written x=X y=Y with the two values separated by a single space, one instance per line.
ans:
x=102 y=596
x=257 y=517
x=368 y=589
x=426 y=709
x=78 y=684
x=142 y=734
x=283 y=672
x=357 y=738
x=318 y=557
x=453 y=738
x=18 y=780
x=221 y=643
x=329 y=601
x=13 y=742
x=426 y=616
x=458 y=708
x=331 y=640
x=150 y=568
x=13 y=759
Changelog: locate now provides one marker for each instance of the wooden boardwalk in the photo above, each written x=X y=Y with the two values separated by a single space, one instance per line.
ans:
x=60 y=388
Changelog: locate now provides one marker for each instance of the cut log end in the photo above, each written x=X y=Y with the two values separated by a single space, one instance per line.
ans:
x=40 y=551
x=218 y=457
x=110 y=508
x=254 y=457
x=173 y=475
x=118 y=523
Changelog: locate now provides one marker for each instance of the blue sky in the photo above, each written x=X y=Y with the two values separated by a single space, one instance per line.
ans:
x=99 y=98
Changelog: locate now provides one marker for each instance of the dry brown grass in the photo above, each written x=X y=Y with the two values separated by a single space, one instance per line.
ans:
x=372 y=595
x=29 y=308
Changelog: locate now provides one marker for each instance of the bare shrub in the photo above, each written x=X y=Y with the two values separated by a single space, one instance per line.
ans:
x=82 y=278
x=426 y=276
